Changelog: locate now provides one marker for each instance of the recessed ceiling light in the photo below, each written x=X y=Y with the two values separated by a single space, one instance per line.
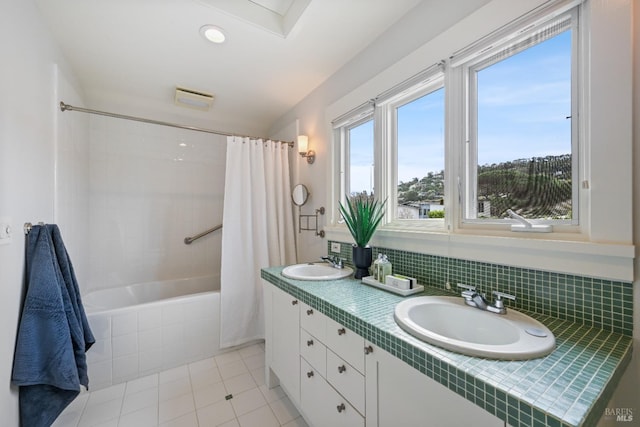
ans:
x=212 y=33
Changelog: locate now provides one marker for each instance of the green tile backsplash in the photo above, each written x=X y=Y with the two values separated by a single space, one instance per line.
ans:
x=601 y=303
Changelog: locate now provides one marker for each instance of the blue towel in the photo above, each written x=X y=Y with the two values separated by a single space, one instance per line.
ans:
x=49 y=364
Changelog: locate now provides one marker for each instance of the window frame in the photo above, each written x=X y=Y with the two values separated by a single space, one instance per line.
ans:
x=490 y=52
x=341 y=127
x=453 y=71
x=387 y=110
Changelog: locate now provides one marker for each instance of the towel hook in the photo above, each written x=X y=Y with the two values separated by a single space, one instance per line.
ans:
x=28 y=226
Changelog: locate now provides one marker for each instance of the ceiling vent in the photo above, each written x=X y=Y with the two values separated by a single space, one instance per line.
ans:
x=193 y=99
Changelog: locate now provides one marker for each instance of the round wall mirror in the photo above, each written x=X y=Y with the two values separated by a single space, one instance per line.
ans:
x=300 y=194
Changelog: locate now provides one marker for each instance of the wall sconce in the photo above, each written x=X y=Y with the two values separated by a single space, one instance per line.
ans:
x=303 y=149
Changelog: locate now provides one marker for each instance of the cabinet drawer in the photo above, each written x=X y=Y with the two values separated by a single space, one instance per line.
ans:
x=346 y=380
x=346 y=344
x=313 y=321
x=314 y=352
x=321 y=404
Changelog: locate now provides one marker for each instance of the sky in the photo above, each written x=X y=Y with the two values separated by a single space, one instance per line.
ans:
x=523 y=104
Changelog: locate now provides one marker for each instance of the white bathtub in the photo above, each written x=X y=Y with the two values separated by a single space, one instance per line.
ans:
x=149 y=327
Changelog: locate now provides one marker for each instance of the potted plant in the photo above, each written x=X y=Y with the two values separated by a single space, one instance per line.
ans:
x=362 y=215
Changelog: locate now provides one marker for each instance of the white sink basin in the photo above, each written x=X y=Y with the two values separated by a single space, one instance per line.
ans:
x=312 y=271
x=449 y=323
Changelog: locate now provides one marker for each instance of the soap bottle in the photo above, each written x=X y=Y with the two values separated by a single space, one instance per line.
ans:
x=376 y=268
x=384 y=269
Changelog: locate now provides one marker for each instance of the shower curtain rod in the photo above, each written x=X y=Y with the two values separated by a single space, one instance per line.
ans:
x=65 y=107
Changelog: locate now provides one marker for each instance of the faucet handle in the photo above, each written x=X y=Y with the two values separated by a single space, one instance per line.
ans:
x=499 y=295
x=468 y=287
x=470 y=291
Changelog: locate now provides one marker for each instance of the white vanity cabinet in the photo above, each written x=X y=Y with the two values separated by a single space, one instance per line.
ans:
x=331 y=389
x=283 y=332
x=397 y=395
x=335 y=378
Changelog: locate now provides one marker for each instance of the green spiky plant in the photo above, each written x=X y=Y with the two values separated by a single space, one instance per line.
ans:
x=362 y=215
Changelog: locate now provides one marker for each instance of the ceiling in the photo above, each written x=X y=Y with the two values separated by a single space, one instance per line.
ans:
x=129 y=55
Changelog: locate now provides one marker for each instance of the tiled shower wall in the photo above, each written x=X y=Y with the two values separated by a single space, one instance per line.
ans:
x=150 y=187
x=601 y=303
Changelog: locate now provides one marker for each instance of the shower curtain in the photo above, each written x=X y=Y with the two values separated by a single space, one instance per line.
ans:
x=258 y=232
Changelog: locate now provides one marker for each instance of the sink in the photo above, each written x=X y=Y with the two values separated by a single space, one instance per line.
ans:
x=313 y=271
x=449 y=323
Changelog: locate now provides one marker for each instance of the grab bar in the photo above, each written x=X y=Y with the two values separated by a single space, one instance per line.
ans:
x=189 y=240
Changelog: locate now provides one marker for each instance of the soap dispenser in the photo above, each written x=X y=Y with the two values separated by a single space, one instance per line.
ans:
x=376 y=268
x=384 y=269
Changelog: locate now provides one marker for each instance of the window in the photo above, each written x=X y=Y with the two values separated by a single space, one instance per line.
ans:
x=361 y=167
x=522 y=138
x=420 y=148
x=492 y=128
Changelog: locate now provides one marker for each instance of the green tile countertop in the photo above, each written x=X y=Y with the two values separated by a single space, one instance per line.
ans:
x=569 y=387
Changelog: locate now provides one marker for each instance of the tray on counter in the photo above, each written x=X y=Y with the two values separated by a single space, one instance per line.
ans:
x=369 y=280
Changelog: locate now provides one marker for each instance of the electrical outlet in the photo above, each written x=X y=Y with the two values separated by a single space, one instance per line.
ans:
x=335 y=247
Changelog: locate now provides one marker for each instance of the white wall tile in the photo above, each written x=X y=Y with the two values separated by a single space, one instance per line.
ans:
x=123 y=324
x=150 y=362
x=172 y=313
x=99 y=351
x=100 y=374
x=150 y=340
x=125 y=368
x=149 y=318
x=100 y=325
x=124 y=345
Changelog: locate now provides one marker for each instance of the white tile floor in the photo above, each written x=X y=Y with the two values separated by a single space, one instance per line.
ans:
x=193 y=395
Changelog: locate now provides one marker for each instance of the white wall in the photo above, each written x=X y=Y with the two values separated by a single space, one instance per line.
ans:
x=627 y=396
x=610 y=131
x=151 y=186
x=71 y=165
x=28 y=82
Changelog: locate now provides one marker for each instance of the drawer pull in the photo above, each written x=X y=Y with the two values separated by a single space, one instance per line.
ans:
x=342 y=331
x=341 y=407
x=294 y=302
x=341 y=369
x=309 y=374
x=309 y=312
x=309 y=343
x=368 y=349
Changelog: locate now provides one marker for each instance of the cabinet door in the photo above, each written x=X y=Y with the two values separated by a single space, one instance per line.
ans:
x=323 y=406
x=285 y=335
x=400 y=396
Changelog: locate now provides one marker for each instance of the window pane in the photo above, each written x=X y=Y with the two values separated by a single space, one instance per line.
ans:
x=421 y=157
x=524 y=133
x=361 y=159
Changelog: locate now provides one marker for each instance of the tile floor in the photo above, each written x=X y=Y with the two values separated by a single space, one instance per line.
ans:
x=193 y=395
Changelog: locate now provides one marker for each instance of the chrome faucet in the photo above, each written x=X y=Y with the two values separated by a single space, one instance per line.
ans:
x=334 y=261
x=475 y=299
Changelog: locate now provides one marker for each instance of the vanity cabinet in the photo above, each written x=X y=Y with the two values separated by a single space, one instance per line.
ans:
x=331 y=389
x=335 y=378
x=285 y=339
x=397 y=395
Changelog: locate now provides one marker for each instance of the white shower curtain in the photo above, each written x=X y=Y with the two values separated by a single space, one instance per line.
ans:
x=258 y=232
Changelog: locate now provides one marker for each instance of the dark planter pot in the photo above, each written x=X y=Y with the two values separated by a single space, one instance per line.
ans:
x=362 y=258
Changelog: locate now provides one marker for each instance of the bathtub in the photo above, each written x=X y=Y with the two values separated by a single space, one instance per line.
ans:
x=145 y=328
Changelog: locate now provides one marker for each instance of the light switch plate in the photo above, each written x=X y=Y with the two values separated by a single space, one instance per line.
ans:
x=335 y=247
x=5 y=230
